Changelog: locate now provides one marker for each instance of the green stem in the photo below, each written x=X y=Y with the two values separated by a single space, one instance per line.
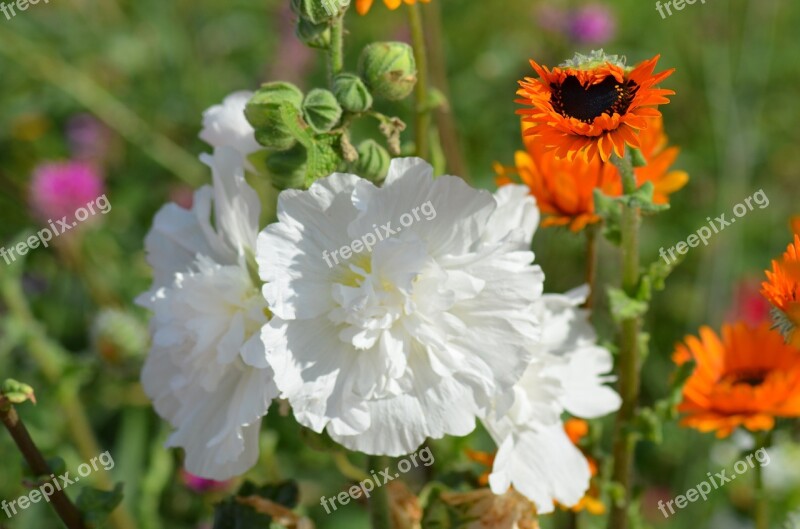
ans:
x=379 y=509
x=52 y=360
x=761 y=511
x=336 y=50
x=422 y=110
x=628 y=360
x=591 y=263
x=32 y=58
x=445 y=120
x=348 y=469
x=65 y=509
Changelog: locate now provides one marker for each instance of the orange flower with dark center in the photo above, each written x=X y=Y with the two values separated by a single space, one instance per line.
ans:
x=782 y=289
x=592 y=104
x=564 y=189
x=363 y=6
x=746 y=378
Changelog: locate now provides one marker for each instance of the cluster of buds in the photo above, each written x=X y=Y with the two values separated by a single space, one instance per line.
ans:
x=307 y=136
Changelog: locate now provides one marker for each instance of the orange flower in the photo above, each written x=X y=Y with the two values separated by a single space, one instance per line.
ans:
x=746 y=378
x=653 y=145
x=782 y=288
x=592 y=104
x=363 y=6
x=564 y=189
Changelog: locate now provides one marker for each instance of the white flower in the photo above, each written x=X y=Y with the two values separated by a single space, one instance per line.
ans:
x=225 y=125
x=207 y=372
x=567 y=374
x=409 y=339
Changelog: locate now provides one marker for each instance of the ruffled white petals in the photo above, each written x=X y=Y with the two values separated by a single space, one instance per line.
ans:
x=207 y=370
x=225 y=125
x=568 y=373
x=543 y=465
x=415 y=335
x=516 y=217
x=582 y=377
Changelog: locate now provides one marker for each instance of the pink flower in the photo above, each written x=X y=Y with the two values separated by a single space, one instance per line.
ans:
x=592 y=24
x=748 y=304
x=57 y=189
x=202 y=485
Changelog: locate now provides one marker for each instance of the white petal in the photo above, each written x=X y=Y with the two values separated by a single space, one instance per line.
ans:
x=543 y=465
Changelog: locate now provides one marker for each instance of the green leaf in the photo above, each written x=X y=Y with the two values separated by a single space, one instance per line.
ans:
x=233 y=514
x=642 y=198
x=608 y=208
x=96 y=505
x=648 y=425
x=624 y=307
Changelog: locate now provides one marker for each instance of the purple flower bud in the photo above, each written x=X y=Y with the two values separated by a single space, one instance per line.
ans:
x=592 y=24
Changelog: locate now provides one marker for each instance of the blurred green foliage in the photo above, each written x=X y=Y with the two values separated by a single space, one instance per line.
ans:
x=149 y=68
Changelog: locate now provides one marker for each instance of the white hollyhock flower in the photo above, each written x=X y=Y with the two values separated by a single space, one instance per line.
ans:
x=414 y=336
x=207 y=372
x=568 y=373
x=225 y=125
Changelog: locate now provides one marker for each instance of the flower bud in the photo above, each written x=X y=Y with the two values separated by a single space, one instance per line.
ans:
x=389 y=69
x=314 y=35
x=351 y=93
x=117 y=335
x=264 y=114
x=373 y=161
x=318 y=11
x=287 y=169
x=321 y=110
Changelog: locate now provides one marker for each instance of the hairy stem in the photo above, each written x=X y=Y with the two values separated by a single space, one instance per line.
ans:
x=65 y=509
x=52 y=360
x=422 y=111
x=761 y=511
x=336 y=51
x=379 y=509
x=628 y=360
x=591 y=263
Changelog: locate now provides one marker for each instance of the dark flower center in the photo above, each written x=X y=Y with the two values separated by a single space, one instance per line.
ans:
x=751 y=377
x=572 y=100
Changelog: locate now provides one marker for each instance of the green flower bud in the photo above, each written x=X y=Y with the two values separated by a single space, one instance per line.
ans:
x=117 y=335
x=351 y=93
x=389 y=69
x=318 y=11
x=287 y=169
x=373 y=161
x=321 y=110
x=314 y=35
x=263 y=113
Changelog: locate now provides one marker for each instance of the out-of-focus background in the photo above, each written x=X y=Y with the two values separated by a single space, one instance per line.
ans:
x=118 y=88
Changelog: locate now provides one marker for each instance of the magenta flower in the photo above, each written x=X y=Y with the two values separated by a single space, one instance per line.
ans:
x=58 y=189
x=202 y=485
x=592 y=24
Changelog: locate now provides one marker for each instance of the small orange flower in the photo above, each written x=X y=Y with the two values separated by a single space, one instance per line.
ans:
x=363 y=6
x=592 y=105
x=653 y=144
x=746 y=378
x=564 y=189
x=783 y=287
